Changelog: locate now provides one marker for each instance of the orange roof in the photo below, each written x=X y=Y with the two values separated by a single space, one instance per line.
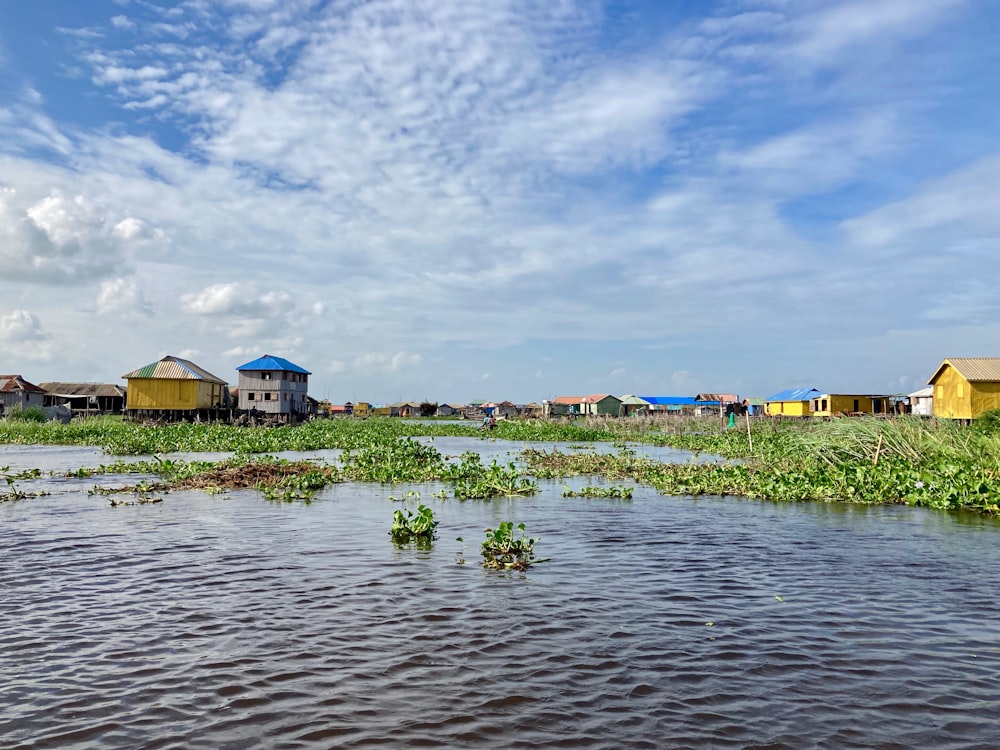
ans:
x=567 y=400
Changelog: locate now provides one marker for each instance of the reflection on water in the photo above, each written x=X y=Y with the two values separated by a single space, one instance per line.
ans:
x=228 y=621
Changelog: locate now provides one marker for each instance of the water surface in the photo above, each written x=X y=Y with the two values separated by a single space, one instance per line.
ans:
x=231 y=622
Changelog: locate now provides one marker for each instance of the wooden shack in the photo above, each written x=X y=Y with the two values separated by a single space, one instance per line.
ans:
x=175 y=389
x=965 y=387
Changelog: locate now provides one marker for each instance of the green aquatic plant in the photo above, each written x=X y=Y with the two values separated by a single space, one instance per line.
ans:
x=29 y=414
x=622 y=492
x=11 y=491
x=503 y=549
x=495 y=481
x=419 y=527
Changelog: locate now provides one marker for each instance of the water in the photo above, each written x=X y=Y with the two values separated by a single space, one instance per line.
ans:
x=230 y=622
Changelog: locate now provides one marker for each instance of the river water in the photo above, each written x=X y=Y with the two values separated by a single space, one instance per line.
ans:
x=227 y=621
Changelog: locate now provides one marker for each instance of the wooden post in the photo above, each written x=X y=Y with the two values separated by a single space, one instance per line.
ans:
x=749 y=436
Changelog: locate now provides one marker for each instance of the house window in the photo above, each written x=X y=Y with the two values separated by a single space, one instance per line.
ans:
x=265 y=376
x=857 y=406
x=286 y=397
x=825 y=402
x=961 y=390
x=939 y=391
x=250 y=396
x=267 y=396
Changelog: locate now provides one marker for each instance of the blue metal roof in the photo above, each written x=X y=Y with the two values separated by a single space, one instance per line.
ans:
x=669 y=400
x=795 y=394
x=270 y=362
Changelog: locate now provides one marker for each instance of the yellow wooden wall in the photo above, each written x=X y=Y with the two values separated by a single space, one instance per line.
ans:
x=952 y=395
x=787 y=408
x=837 y=403
x=158 y=393
x=985 y=396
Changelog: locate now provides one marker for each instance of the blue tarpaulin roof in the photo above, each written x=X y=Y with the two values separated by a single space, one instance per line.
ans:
x=795 y=394
x=669 y=400
x=270 y=362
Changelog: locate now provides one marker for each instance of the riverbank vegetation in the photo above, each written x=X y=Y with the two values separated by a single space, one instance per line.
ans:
x=922 y=462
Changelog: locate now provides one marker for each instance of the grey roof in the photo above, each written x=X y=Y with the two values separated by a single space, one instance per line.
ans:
x=84 y=389
x=973 y=369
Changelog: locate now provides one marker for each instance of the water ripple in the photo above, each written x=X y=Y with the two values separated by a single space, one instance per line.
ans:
x=230 y=622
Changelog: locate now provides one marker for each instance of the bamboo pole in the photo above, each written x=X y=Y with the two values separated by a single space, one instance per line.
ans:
x=749 y=436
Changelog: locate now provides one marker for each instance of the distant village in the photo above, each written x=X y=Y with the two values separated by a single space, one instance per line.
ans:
x=272 y=389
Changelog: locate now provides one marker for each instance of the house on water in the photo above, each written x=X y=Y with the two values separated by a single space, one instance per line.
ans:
x=794 y=402
x=965 y=387
x=16 y=393
x=563 y=406
x=275 y=387
x=89 y=398
x=922 y=401
x=175 y=389
x=602 y=404
x=832 y=404
x=672 y=405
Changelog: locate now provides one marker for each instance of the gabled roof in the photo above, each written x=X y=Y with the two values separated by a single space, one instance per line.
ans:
x=721 y=398
x=973 y=369
x=926 y=392
x=270 y=362
x=11 y=383
x=795 y=394
x=596 y=398
x=669 y=400
x=173 y=368
x=634 y=401
x=84 y=389
x=567 y=400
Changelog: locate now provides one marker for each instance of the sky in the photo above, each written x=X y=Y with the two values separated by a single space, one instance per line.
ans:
x=451 y=200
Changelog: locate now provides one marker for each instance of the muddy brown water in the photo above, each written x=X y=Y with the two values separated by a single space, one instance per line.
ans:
x=231 y=622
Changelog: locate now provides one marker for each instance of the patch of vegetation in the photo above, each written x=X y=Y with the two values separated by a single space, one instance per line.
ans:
x=11 y=491
x=419 y=527
x=35 y=414
x=622 y=492
x=492 y=481
x=503 y=549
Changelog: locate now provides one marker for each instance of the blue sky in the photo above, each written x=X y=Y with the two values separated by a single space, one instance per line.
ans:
x=502 y=199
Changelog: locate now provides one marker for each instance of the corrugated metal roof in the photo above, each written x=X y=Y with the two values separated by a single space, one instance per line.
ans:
x=795 y=394
x=567 y=400
x=596 y=398
x=634 y=401
x=84 y=389
x=270 y=362
x=973 y=369
x=925 y=392
x=173 y=368
x=719 y=398
x=10 y=383
x=669 y=400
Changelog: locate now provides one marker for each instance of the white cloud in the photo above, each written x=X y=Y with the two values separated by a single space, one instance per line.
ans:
x=122 y=296
x=122 y=22
x=21 y=325
x=963 y=202
x=55 y=239
x=235 y=298
x=836 y=29
x=241 y=352
x=24 y=338
x=387 y=362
